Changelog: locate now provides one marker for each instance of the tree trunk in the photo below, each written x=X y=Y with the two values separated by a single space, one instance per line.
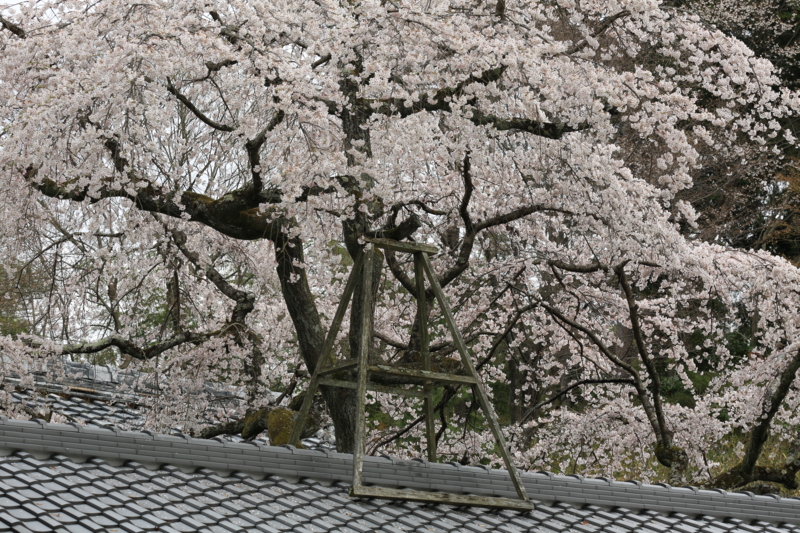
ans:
x=311 y=336
x=747 y=471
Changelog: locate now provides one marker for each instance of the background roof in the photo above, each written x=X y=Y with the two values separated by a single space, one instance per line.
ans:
x=71 y=478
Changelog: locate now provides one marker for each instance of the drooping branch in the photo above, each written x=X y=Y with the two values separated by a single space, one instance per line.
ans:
x=565 y=391
x=502 y=336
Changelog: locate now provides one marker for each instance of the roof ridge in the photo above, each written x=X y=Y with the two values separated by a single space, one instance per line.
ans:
x=117 y=446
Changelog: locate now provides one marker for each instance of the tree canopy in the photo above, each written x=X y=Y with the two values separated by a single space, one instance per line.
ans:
x=197 y=177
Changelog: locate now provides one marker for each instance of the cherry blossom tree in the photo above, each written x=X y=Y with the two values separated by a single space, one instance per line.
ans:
x=226 y=158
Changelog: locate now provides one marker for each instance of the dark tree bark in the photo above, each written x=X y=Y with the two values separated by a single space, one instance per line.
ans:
x=747 y=470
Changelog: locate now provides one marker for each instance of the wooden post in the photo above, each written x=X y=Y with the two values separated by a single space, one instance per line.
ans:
x=483 y=398
x=424 y=348
x=364 y=344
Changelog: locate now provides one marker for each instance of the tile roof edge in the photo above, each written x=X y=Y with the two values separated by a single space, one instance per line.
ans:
x=257 y=460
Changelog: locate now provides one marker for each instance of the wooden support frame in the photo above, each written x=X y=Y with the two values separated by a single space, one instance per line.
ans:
x=327 y=367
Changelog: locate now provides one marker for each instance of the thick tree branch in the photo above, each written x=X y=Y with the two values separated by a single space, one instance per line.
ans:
x=655 y=381
x=233 y=427
x=128 y=347
x=580 y=269
x=390 y=341
x=236 y=214
x=321 y=61
x=403 y=231
x=463 y=209
x=13 y=28
x=516 y=214
x=548 y=130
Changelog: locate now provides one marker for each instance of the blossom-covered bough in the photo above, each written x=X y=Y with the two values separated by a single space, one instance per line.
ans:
x=198 y=175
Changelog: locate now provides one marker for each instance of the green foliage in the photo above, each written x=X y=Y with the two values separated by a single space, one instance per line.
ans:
x=17 y=286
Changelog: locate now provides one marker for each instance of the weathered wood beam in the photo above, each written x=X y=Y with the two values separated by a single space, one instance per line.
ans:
x=441 y=497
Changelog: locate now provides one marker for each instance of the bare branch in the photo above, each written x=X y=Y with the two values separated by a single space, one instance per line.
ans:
x=580 y=45
x=245 y=302
x=500 y=338
x=575 y=385
x=199 y=114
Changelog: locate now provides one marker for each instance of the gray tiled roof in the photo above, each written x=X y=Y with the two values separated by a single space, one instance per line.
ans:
x=107 y=413
x=70 y=478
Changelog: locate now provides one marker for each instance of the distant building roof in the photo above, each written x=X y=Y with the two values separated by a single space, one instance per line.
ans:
x=73 y=478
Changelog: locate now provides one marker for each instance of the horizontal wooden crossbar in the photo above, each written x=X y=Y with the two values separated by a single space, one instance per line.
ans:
x=407 y=247
x=345 y=365
x=440 y=497
x=438 y=377
x=371 y=386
